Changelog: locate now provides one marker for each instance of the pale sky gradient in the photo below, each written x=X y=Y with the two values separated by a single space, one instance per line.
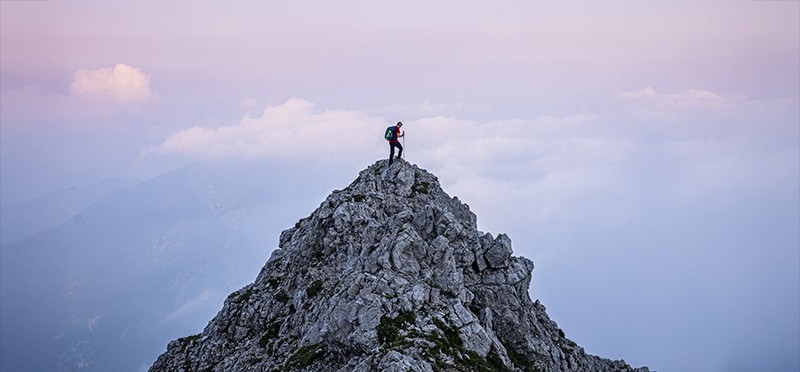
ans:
x=645 y=155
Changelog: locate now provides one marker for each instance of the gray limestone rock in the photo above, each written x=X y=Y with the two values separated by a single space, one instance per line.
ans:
x=389 y=274
x=499 y=253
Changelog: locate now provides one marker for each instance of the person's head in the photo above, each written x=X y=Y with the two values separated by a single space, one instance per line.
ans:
x=399 y=124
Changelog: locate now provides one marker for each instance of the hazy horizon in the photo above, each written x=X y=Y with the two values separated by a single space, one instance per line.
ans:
x=645 y=156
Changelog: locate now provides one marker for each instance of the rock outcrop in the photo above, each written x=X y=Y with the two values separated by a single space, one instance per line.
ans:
x=389 y=274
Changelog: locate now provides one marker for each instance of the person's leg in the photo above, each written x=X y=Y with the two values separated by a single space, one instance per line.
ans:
x=399 y=150
x=391 y=153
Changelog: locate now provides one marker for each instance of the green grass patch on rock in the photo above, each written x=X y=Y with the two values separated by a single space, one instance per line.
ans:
x=421 y=187
x=389 y=328
x=270 y=334
x=314 y=288
x=304 y=357
x=449 y=343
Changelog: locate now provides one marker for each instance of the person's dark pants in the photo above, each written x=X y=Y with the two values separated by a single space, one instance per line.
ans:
x=392 y=145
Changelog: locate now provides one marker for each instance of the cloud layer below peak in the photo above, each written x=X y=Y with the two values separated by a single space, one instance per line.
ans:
x=291 y=129
x=693 y=98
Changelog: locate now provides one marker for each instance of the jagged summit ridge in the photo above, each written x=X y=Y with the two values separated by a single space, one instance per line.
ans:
x=388 y=274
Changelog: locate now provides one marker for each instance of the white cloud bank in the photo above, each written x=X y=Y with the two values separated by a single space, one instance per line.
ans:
x=693 y=98
x=121 y=82
x=292 y=129
x=557 y=166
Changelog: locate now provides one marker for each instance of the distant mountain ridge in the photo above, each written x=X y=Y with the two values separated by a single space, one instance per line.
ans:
x=21 y=220
x=131 y=269
x=389 y=274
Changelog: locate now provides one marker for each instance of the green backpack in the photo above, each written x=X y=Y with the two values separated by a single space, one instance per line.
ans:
x=389 y=135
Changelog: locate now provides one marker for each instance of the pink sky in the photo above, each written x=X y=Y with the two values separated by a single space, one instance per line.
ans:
x=527 y=50
x=587 y=118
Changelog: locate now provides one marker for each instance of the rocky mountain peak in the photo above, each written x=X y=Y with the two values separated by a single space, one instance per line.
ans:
x=388 y=274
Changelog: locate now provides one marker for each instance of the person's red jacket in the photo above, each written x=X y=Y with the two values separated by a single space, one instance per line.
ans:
x=396 y=135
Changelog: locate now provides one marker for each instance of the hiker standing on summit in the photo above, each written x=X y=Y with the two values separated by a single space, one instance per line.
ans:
x=393 y=137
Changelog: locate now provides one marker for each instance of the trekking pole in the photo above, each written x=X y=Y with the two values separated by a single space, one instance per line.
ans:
x=404 y=143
